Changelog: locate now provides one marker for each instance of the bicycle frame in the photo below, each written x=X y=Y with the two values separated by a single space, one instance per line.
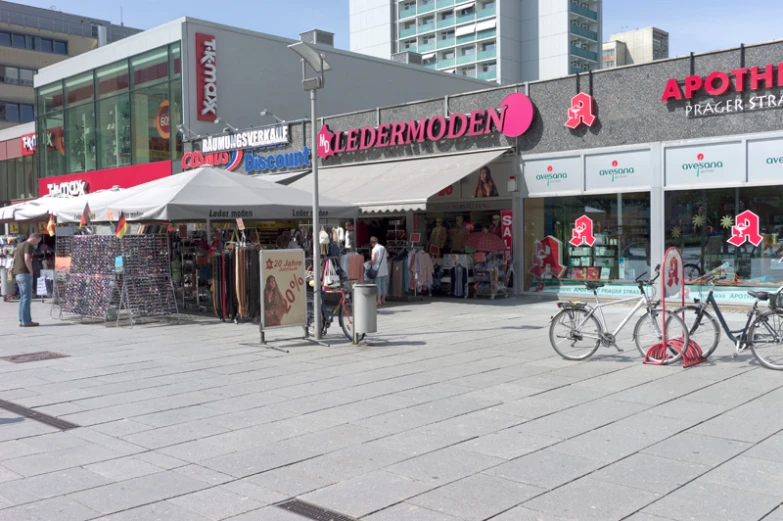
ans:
x=711 y=302
x=644 y=301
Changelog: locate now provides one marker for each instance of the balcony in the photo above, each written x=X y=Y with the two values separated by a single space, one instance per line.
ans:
x=426 y=8
x=485 y=13
x=407 y=13
x=448 y=62
x=487 y=55
x=425 y=47
x=446 y=43
x=404 y=33
x=426 y=28
x=586 y=33
x=461 y=19
x=448 y=22
x=583 y=11
x=584 y=53
x=488 y=75
x=445 y=3
x=489 y=33
x=465 y=38
x=433 y=65
x=466 y=58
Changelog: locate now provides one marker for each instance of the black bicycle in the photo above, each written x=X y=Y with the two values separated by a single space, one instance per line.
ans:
x=762 y=333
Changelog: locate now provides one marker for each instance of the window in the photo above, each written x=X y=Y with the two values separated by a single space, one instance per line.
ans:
x=112 y=79
x=150 y=67
x=410 y=44
x=468 y=51
x=448 y=35
x=61 y=47
x=50 y=97
x=80 y=88
x=114 y=132
x=175 y=60
x=448 y=15
x=51 y=149
x=5 y=39
x=11 y=75
x=29 y=42
x=80 y=146
x=26 y=77
x=448 y=55
x=490 y=46
x=45 y=45
x=19 y=41
x=150 y=142
x=428 y=20
x=12 y=112
x=427 y=39
x=488 y=67
x=27 y=113
x=467 y=11
x=609 y=63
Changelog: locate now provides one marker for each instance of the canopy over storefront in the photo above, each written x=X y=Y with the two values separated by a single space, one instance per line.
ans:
x=206 y=193
x=396 y=186
x=40 y=209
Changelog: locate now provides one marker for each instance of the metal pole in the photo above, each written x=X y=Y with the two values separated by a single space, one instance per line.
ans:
x=316 y=229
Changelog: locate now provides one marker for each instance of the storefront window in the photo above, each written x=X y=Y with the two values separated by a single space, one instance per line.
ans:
x=150 y=67
x=50 y=98
x=114 y=132
x=620 y=253
x=10 y=175
x=175 y=116
x=51 y=148
x=150 y=137
x=3 y=183
x=80 y=138
x=175 y=60
x=80 y=89
x=112 y=79
x=700 y=222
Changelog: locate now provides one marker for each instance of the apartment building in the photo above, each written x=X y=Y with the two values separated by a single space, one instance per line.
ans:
x=32 y=38
x=501 y=41
x=634 y=47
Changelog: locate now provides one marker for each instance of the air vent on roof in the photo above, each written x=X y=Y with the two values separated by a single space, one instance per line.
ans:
x=319 y=37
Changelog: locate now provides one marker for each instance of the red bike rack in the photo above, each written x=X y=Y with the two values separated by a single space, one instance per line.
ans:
x=673 y=283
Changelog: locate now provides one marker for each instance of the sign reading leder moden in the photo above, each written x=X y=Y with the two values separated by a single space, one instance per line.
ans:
x=512 y=119
x=720 y=83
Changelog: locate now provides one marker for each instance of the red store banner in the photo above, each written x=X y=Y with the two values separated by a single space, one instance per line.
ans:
x=89 y=182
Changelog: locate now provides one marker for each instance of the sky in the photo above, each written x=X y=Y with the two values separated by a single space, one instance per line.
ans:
x=691 y=26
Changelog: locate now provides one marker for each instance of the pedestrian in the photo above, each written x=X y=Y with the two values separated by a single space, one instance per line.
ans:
x=378 y=262
x=23 y=272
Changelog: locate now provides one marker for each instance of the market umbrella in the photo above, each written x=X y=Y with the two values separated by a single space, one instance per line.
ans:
x=205 y=193
x=484 y=241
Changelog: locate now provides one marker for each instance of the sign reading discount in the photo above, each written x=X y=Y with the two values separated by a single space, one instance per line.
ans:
x=283 y=292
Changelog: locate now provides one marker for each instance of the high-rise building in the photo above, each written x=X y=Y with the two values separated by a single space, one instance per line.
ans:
x=32 y=38
x=639 y=46
x=503 y=41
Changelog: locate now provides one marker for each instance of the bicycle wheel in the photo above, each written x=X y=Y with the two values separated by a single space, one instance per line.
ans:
x=692 y=272
x=311 y=320
x=702 y=327
x=648 y=332
x=346 y=320
x=765 y=337
x=574 y=335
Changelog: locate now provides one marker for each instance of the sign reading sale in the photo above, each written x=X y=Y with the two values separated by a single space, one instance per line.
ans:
x=507 y=233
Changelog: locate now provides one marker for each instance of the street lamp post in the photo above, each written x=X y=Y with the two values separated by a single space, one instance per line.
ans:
x=315 y=60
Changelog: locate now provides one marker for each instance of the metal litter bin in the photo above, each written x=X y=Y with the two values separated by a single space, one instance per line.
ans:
x=365 y=310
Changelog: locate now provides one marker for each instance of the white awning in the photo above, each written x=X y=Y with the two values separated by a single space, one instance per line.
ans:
x=428 y=56
x=465 y=29
x=396 y=186
x=483 y=26
x=464 y=5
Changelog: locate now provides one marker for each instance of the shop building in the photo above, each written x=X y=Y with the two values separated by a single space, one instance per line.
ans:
x=637 y=159
x=121 y=106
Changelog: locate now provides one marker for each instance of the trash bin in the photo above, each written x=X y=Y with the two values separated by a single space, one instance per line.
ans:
x=365 y=315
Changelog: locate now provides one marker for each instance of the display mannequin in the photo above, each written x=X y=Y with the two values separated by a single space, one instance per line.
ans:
x=438 y=235
x=349 y=236
x=496 y=227
x=323 y=240
x=338 y=235
x=459 y=235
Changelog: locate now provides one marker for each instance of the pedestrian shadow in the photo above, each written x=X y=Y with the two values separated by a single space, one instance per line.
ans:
x=4 y=421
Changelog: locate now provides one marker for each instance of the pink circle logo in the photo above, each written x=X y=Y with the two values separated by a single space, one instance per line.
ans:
x=700 y=157
x=615 y=163
x=519 y=114
x=549 y=169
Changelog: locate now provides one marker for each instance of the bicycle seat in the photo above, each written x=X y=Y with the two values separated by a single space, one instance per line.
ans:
x=592 y=286
x=761 y=295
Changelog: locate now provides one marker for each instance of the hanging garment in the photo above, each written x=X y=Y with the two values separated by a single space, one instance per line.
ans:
x=362 y=234
x=338 y=234
x=458 y=280
x=356 y=267
x=398 y=278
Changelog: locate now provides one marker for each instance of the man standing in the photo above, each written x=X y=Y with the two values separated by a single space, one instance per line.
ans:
x=378 y=262
x=23 y=272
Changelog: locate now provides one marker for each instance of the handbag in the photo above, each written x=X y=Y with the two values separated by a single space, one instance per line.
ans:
x=331 y=277
x=372 y=273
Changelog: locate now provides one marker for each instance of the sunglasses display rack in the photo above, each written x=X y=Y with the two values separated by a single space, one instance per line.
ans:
x=62 y=259
x=91 y=288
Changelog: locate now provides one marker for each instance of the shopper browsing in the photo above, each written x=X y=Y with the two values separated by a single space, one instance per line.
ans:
x=23 y=272
x=378 y=262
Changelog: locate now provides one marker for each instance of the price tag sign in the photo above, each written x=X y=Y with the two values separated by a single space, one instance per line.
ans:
x=283 y=291
x=240 y=223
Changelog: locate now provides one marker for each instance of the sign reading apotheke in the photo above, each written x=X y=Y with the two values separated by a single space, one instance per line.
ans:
x=618 y=170
x=542 y=176
x=705 y=164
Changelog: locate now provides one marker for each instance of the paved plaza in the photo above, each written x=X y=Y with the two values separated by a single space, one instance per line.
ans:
x=458 y=410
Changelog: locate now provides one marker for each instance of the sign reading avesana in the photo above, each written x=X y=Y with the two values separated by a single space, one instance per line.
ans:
x=265 y=137
x=719 y=83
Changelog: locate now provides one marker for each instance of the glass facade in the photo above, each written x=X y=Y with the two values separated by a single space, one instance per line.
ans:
x=621 y=226
x=18 y=178
x=699 y=222
x=118 y=115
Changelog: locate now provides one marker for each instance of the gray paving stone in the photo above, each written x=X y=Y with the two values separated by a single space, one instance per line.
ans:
x=351 y=462
x=704 y=501
x=259 y=494
x=161 y=460
x=697 y=449
x=379 y=490
x=751 y=474
x=477 y=497
x=246 y=463
x=216 y=504
x=123 y=468
x=180 y=433
x=55 y=509
x=160 y=511
x=525 y=514
x=587 y=499
x=7 y=475
x=479 y=423
x=268 y=514
x=445 y=466
x=769 y=449
x=138 y=491
x=685 y=409
x=51 y=485
x=121 y=428
x=208 y=476
x=600 y=445
x=545 y=469
x=650 y=473
x=510 y=443
x=59 y=459
x=408 y=512
x=732 y=426
x=16 y=449
x=289 y=481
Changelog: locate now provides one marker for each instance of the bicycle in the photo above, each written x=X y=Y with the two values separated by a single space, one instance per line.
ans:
x=763 y=330
x=580 y=323
x=343 y=310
